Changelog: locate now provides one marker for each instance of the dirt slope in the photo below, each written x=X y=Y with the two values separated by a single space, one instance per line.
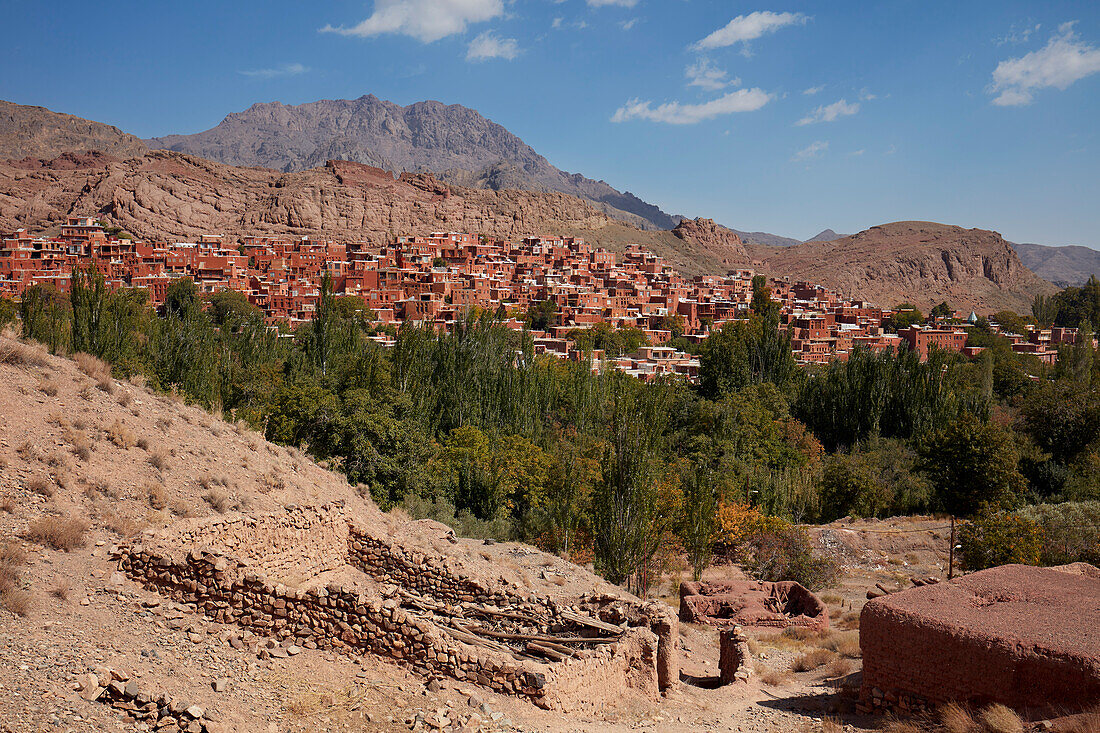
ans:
x=121 y=459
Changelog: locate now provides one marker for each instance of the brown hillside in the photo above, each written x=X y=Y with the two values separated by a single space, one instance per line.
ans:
x=923 y=263
x=41 y=133
x=164 y=195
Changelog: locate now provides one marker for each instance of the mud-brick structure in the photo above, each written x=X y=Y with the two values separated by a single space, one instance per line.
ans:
x=410 y=592
x=1023 y=636
x=752 y=603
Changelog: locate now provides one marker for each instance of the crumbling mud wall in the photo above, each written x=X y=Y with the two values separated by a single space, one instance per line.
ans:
x=752 y=603
x=408 y=604
x=1023 y=636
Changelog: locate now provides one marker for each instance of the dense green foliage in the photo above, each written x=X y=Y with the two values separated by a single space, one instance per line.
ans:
x=472 y=428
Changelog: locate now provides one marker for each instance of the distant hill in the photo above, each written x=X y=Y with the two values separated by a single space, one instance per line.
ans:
x=453 y=142
x=1063 y=266
x=39 y=133
x=826 y=236
x=920 y=262
x=765 y=239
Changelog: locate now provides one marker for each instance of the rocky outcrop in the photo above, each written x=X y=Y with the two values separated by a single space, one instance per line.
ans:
x=713 y=237
x=923 y=263
x=40 y=133
x=453 y=142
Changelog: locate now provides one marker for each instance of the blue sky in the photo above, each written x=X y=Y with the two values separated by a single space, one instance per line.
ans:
x=784 y=117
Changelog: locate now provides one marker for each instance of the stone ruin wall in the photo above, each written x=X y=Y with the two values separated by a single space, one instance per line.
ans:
x=233 y=588
x=728 y=604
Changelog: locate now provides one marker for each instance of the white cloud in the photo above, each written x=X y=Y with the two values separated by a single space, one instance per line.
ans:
x=620 y=3
x=865 y=95
x=424 y=20
x=813 y=90
x=556 y=23
x=1064 y=60
x=830 y=112
x=284 y=70
x=675 y=113
x=1018 y=35
x=708 y=76
x=748 y=27
x=811 y=151
x=628 y=24
x=490 y=46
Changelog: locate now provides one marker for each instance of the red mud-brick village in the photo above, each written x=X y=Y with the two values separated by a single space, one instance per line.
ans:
x=438 y=278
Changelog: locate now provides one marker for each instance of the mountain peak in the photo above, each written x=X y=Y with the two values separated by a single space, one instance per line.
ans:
x=454 y=142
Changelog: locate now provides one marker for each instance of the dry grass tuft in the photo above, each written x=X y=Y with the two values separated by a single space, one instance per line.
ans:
x=97 y=369
x=773 y=677
x=1084 y=723
x=957 y=719
x=181 y=508
x=125 y=398
x=998 y=718
x=812 y=660
x=143 y=443
x=7 y=504
x=121 y=435
x=12 y=595
x=121 y=525
x=156 y=495
x=844 y=643
x=163 y=424
x=219 y=500
x=159 y=459
x=58 y=532
x=60 y=590
x=82 y=447
x=839 y=668
x=39 y=485
x=49 y=386
x=14 y=353
x=902 y=726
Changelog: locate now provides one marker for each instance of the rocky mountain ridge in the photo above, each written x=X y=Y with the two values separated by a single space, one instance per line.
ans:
x=924 y=263
x=455 y=143
x=39 y=132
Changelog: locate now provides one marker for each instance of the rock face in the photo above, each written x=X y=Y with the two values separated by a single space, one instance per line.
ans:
x=40 y=133
x=166 y=195
x=923 y=263
x=454 y=142
x=718 y=239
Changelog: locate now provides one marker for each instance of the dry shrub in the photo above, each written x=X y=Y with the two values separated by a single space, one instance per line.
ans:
x=839 y=668
x=219 y=500
x=121 y=435
x=772 y=677
x=844 y=643
x=82 y=447
x=159 y=459
x=60 y=590
x=998 y=718
x=55 y=459
x=60 y=533
x=7 y=504
x=831 y=725
x=80 y=424
x=85 y=393
x=12 y=595
x=125 y=398
x=95 y=368
x=12 y=555
x=163 y=424
x=121 y=525
x=27 y=451
x=181 y=508
x=143 y=443
x=957 y=719
x=156 y=495
x=812 y=660
x=849 y=621
x=41 y=486
x=831 y=599
x=1084 y=723
x=14 y=353
x=49 y=386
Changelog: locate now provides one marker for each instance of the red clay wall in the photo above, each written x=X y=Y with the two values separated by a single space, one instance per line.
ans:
x=1022 y=636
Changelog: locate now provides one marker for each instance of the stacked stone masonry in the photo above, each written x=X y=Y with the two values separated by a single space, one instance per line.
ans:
x=752 y=603
x=412 y=606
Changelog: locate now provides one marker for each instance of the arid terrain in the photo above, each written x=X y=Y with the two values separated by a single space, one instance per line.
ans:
x=89 y=461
